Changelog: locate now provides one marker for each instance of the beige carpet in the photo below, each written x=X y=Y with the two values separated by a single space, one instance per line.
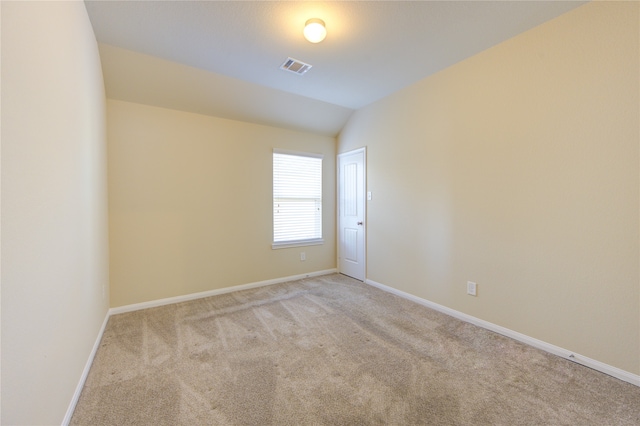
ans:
x=333 y=351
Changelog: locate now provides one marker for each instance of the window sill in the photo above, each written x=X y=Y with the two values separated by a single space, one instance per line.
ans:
x=299 y=243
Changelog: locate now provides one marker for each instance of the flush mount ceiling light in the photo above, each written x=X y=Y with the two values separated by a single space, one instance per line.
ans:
x=314 y=30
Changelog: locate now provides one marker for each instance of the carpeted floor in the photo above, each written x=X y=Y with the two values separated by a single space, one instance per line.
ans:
x=333 y=351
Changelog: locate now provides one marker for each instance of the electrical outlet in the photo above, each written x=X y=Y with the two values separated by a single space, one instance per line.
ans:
x=303 y=256
x=471 y=288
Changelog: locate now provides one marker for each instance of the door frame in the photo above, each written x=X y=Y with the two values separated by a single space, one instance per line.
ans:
x=364 y=211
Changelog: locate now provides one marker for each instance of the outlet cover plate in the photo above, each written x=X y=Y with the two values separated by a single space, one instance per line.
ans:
x=471 y=288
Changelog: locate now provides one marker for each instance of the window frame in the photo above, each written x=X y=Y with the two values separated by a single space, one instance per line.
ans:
x=301 y=242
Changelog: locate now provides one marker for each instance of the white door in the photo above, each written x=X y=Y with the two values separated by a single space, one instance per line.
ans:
x=351 y=213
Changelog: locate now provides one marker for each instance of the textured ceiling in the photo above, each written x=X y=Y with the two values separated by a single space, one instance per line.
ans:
x=372 y=49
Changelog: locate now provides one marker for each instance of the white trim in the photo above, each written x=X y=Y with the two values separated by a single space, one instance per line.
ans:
x=193 y=296
x=298 y=153
x=297 y=243
x=85 y=372
x=618 y=373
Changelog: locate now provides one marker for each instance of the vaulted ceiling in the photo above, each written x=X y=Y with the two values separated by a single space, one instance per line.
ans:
x=223 y=58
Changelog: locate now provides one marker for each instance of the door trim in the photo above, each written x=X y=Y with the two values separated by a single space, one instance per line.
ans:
x=364 y=212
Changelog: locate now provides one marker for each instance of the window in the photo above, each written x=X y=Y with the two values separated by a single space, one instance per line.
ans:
x=297 y=199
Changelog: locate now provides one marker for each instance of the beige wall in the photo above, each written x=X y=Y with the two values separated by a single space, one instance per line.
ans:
x=190 y=203
x=54 y=207
x=518 y=169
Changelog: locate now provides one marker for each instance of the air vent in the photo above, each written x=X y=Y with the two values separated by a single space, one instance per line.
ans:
x=295 y=66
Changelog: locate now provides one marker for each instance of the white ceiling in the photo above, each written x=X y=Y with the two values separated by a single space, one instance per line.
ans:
x=223 y=57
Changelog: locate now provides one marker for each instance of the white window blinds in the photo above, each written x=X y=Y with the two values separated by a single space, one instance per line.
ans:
x=297 y=199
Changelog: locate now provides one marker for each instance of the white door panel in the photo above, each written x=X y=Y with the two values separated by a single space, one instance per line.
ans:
x=351 y=213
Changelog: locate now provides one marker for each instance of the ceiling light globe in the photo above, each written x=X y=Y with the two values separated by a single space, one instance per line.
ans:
x=314 y=30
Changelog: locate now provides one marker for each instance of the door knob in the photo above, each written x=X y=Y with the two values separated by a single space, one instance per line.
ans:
x=359 y=223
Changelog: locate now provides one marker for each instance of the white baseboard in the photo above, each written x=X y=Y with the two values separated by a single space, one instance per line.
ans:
x=85 y=373
x=193 y=296
x=556 y=350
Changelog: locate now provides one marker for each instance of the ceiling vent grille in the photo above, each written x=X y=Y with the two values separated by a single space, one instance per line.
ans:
x=295 y=66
